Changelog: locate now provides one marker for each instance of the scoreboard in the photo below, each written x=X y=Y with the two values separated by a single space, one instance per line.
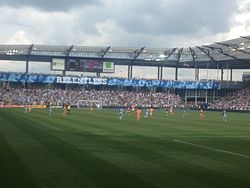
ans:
x=83 y=65
x=246 y=76
x=58 y=64
x=88 y=65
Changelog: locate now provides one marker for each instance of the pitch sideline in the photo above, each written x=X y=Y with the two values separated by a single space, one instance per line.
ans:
x=213 y=149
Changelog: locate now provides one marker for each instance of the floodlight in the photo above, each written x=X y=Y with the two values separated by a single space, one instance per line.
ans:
x=162 y=56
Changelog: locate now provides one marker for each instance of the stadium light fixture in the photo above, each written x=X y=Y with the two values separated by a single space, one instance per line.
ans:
x=242 y=48
x=162 y=56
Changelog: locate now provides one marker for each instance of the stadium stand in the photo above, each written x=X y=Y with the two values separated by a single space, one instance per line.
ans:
x=236 y=101
x=38 y=95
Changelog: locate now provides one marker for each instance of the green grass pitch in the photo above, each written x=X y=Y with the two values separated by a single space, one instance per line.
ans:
x=98 y=150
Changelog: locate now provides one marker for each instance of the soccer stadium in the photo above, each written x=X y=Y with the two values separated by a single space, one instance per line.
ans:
x=75 y=130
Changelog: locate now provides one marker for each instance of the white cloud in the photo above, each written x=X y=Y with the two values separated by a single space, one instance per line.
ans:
x=20 y=37
x=137 y=23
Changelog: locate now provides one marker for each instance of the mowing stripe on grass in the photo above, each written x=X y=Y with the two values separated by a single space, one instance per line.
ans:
x=211 y=148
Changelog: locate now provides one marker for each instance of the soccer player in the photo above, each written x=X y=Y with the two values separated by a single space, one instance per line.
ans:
x=128 y=111
x=167 y=109
x=151 y=110
x=121 y=113
x=50 y=110
x=29 y=108
x=91 y=108
x=68 y=109
x=26 y=109
x=224 y=116
x=184 y=111
x=202 y=114
x=146 y=113
x=138 y=114
x=133 y=107
x=171 y=110
x=65 y=107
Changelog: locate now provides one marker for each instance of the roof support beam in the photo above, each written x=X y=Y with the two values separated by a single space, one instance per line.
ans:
x=160 y=68
x=235 y=47
x=130 y=66
x=179 y=54
x=177 y=64
x=206 y=53
x=248 y=38
x=104 y=52
x=192 y=53
x=168 y=55
x=220 y=50
x=27 y=61
x=195 y=64
x=138 y=52
x=30 y=49
x=69 y=50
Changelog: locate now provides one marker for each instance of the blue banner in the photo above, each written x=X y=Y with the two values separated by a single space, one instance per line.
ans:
x=36 y=78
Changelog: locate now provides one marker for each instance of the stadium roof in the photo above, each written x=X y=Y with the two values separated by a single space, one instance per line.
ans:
x=232 y=54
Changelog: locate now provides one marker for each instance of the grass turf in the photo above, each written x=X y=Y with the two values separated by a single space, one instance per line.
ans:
x=98 y=150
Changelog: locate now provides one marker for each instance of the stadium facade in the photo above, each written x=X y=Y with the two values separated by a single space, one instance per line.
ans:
x=230 y=55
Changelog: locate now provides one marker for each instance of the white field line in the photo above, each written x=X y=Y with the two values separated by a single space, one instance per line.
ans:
x=213 y=149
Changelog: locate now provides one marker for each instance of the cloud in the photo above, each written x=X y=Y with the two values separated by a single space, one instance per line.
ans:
x=153 y=23
x=180 y=17
x=113 y=23
x=20 y=37
x=48 y=5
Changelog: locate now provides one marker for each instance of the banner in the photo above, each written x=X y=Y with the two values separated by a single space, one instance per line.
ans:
x=11 y=106
x=36 y=78
x=37 y=106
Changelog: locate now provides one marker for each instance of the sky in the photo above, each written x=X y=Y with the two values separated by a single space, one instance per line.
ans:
x=123 y=23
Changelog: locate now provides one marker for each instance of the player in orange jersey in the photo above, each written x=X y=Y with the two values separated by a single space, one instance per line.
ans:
x=138 y=114
x=202 y=114
x=151 y=110
x=171 y=110
x=128 y=111
x=65 y=107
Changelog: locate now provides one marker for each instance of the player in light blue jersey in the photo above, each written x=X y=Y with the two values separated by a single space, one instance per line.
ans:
x=121 y=113
x=146 y=113
x=26 y=109
x=224 y=116
x=50 y=110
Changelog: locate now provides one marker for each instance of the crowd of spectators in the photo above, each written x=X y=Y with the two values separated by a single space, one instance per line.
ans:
x=236 y=101
x=41 y=96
